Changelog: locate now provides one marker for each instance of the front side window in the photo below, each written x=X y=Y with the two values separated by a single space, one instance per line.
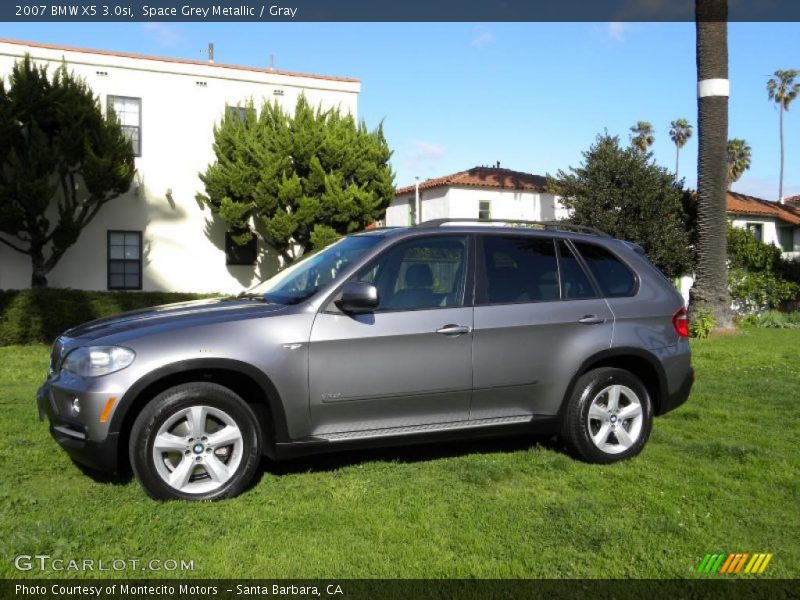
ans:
x=124 y=260
x=519 y=269
x=304 y=278
x=614 y=278
x=128 y=112
x=420 y=274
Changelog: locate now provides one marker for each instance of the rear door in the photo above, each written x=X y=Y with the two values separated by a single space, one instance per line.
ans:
x=537 y=315
x=407 y=363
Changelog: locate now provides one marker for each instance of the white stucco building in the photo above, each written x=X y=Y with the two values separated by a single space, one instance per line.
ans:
x=770 y=222
x=157 y=236
x=480 y=192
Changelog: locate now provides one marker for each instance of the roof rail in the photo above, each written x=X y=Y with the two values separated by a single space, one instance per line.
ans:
x=549 y=225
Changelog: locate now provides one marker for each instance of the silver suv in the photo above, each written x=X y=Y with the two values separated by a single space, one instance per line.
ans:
x=390 y=336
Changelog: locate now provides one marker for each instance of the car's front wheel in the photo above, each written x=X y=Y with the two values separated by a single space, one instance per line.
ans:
x=196 y=441
x=608 y=416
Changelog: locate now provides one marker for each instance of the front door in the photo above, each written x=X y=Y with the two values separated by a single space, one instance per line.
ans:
x=407 y=363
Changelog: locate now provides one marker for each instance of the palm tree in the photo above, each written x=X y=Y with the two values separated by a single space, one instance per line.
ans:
x=642 y=137
x=680 y=130
x=739 y=154
x=710 y=289
x=782 y=90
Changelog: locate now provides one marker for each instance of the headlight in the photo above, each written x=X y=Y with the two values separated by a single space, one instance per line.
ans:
x=94 y=361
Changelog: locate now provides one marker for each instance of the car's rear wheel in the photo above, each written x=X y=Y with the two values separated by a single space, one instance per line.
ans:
x=608 y=416
x=196 y=441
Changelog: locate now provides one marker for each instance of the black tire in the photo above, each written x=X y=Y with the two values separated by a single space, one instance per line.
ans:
x=171 y=402
x=576 y=429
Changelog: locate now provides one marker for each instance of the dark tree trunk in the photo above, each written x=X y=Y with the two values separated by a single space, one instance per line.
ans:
x=38 y=268
x=710 y=290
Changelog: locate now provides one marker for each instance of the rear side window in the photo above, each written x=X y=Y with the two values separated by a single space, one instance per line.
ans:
x=614 y=278
x=519 y=269
x=575 y=283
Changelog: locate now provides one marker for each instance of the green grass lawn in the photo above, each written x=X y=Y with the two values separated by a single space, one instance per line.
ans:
x=720 y=474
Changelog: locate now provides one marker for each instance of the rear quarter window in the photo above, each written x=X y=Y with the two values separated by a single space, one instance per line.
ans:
x=612 y=275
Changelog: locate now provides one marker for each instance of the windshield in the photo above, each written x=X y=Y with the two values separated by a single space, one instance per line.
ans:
x=304 y=278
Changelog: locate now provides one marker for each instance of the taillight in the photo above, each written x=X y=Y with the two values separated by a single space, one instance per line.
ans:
x=680 y=321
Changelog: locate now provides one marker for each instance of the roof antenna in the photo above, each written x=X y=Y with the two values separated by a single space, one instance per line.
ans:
x=211 y=52
x=271 y=62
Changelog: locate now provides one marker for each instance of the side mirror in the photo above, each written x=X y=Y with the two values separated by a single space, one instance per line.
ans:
x=358 y=297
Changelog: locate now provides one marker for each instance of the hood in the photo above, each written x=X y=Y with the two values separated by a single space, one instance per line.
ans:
x=181 y=314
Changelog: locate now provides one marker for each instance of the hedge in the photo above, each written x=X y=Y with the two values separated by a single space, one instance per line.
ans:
x=39 y=315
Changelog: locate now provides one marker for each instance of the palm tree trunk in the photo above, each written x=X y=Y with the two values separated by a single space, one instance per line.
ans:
x=677 y=160
x=780 y=180
x=710 y=290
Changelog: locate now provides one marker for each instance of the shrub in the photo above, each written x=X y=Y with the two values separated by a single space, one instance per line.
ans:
x=758 y=277
x=702 y=324
x=39 y=315
x=773 y=319
x=754 y=291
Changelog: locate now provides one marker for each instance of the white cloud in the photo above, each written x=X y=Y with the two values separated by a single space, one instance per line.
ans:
x=163 y=33
x=481 y=39
x=616 y=31
x=423 y=157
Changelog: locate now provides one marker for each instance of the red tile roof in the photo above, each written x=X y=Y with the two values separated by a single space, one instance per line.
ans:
x=183 y=61
x=740 y=204
x=486 y=177
x=793 y=201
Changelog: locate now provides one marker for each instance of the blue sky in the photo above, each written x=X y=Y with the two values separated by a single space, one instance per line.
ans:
x=530 y=95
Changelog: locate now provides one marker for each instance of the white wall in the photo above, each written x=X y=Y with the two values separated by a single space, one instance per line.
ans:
x=463 y=202
x=770 y=229
x=183 y=244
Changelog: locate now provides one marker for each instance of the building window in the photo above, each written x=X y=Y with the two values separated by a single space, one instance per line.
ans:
x=124 y=260
x=129 y=114
x=237 y=112
x=240 y=255
x=757 y=229
x=412 y=211
x=786 y=239
x=485 y=209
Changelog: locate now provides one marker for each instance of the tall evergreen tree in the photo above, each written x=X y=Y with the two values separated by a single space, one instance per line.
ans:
x=624 y=193
x=642 y=136
x=680 y=130
x=710 y=289
x=782 y=89
x=739 y=157
x=302 y=180
x=57 y=152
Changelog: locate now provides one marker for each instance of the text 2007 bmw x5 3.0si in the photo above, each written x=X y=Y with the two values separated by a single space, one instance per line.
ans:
x=396 y=335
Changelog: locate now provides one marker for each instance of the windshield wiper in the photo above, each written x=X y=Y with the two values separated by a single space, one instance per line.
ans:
x=251 y=296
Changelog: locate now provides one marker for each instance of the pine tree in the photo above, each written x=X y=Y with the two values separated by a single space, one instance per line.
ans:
x=61 y=161
x=301 y=181
x=624 y=193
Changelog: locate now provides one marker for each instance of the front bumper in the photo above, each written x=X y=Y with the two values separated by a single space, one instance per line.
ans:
x=74 y=436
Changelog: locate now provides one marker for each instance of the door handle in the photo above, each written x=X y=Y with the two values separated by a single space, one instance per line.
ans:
x=453 y=330
x=591 y=320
